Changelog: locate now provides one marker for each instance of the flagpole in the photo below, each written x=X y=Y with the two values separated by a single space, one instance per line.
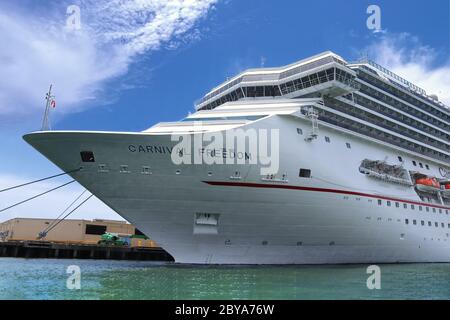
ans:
x=45 y=121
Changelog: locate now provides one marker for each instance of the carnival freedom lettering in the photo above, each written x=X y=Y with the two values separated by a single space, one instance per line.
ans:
x=236 y=146
x=231 y=147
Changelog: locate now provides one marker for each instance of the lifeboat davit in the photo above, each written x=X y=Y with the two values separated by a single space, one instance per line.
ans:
x=428 y=185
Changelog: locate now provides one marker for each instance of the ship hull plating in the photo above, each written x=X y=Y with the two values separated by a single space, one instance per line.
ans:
x=338 y=215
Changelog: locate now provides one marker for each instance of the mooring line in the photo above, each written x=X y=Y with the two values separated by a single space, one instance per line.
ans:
x=62 y=213
x=44 y=233
x=39 y=180
x=36 y=196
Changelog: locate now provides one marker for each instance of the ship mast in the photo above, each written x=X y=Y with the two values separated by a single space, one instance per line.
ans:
x=46 y=121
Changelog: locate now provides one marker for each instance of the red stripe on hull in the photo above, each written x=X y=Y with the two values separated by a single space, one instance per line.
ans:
x=338 y=191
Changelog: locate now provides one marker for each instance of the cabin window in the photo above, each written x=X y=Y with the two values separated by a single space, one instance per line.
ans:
x=299 y=131
x=420 y=164
x=427 y=209
x=405 y=206
x=412 y=207
x=305 y=173
x=422 y=222
x=436 y=224
x=388 y=203
x=400 y=159
x=327 y=139
x=414 y=163
x=434 y=210
x=429 y=223
x=87 y=156
x=406 y=221
x=379 y=202
x=95 y=229
x=442 y=225
x=349 y=146
x=427 y=166
x=414 y=222
x=397 y=205
x=440 y=210
x=420 y=208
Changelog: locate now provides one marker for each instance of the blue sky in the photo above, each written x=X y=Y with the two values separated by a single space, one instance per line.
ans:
x=127 y=76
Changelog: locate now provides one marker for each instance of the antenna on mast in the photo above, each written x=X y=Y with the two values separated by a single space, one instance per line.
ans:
x=50 y=103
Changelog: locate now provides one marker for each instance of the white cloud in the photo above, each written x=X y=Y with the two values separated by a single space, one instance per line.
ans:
x=37 y=51
x=50 y=205
x=409 y=58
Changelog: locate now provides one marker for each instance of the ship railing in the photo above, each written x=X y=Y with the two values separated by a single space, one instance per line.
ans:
x=298 y=85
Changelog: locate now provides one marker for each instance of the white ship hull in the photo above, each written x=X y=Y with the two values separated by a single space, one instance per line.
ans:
x=333 y=217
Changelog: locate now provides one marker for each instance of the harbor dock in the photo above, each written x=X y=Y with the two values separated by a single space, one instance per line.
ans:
x=44 y=249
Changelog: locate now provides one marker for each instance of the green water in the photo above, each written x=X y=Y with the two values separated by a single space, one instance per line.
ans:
x=46 y=279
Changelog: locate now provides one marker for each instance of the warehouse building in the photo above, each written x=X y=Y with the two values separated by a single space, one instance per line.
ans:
x=70 y=231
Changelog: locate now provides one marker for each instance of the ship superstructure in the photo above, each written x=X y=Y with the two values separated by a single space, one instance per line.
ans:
x=362 y=170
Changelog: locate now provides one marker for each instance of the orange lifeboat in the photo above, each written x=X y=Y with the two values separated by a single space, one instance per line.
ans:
x=446 y=190
x=428 y=184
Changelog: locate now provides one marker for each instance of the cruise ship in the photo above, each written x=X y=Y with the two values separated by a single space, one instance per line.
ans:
x=351 y=165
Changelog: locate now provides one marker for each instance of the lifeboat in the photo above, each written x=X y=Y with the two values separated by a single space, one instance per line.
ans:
x=446 y=190
x=428 y=184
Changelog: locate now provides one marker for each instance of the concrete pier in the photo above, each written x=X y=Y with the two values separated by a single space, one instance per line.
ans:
x=42 y=249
